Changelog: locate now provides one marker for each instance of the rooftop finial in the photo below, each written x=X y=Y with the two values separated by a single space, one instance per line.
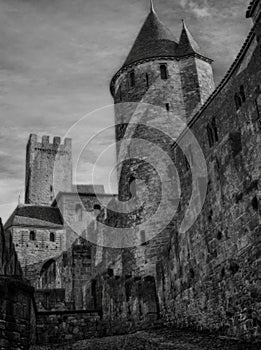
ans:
x=152 y=6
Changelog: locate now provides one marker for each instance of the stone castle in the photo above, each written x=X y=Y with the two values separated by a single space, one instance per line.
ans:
x=180 y=244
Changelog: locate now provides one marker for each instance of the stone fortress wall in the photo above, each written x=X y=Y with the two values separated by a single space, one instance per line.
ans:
x=207 y=278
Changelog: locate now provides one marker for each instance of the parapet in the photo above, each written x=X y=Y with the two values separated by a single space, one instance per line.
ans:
x=45 y=144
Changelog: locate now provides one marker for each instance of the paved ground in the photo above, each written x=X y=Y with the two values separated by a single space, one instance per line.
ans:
x=166 y=339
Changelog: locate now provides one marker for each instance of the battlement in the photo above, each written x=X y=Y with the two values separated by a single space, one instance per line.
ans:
x=254 y=10
x=44 y=143
x=48 y=168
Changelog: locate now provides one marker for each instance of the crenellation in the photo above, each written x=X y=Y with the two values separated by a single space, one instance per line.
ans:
x=48 y=169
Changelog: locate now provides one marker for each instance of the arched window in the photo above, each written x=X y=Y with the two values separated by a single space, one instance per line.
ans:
x=52 y=237
x=97 y=207
x=78 y=212
x=132 y=78
x=163 y=71
x=32 y=236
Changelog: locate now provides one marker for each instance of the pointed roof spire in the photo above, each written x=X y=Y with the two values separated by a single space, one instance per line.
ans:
x=154 y=40
x=152 y=6
x=187 y=44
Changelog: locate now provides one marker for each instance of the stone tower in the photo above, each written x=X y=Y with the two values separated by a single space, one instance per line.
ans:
x=174 y=79
x=162 y=72
x=48 y=169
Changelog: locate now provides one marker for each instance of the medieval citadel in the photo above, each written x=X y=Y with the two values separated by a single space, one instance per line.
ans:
x=77 y=262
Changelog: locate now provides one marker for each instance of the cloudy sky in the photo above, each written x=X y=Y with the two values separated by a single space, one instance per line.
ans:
x=57 y=58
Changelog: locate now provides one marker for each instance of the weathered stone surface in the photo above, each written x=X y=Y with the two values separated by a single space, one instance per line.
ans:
x=63 y=327
x=17 y=315
x=157 y=339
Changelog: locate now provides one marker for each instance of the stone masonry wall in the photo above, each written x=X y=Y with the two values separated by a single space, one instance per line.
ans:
x=17 y=322
x=66 y=327
x=39 y=250
x=208 y=277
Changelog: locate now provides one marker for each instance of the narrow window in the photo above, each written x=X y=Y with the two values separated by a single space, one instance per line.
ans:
x=132 y=186
x=120 y=93
x=238 y=102
x=132 y=78
x=210 y=136
x=167 y=107
x=147 y=80
x=163 y=71
x=187 y=166
x=214 y=127
x=242 y=93
x=52 y=237
x=32 y=236
x=78 y=212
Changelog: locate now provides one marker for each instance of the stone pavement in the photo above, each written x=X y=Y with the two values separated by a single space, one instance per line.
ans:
x=165 y=339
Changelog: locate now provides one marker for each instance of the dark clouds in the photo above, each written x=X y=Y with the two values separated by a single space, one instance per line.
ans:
x=58 y=56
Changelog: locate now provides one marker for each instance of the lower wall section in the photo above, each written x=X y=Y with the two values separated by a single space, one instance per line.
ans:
x=17 y=321
x=64 y=326
x=127 y=303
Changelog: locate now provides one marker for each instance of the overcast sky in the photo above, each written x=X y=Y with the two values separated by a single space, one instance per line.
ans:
x=57 y=58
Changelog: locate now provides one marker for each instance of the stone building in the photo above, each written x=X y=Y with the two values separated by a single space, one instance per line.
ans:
x=201 y=268
x=56 y=212
x=38 y=235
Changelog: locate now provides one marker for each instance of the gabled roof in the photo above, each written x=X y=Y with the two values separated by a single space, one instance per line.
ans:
x=154 y=40
x=35 y=216
x=187 y=44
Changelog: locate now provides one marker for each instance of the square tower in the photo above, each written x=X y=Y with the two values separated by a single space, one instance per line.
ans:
x=48 y=169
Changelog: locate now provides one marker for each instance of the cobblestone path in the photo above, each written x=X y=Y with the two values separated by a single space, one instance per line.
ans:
x=166 y=339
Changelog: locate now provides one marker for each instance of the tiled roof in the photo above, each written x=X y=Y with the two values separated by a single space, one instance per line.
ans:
x=154 y=39
x=34 y=215
x=251 y=8
x=187 y=44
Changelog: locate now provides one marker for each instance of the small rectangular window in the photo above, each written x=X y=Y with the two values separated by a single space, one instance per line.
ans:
x=132 y=78
x=167 y=107
x=163 y=72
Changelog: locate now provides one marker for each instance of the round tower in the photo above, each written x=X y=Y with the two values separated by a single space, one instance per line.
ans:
x=156 y=91
x=150 y=74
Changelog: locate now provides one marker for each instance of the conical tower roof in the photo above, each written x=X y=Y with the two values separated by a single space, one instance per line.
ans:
x=187 y=44
x=154 y=40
